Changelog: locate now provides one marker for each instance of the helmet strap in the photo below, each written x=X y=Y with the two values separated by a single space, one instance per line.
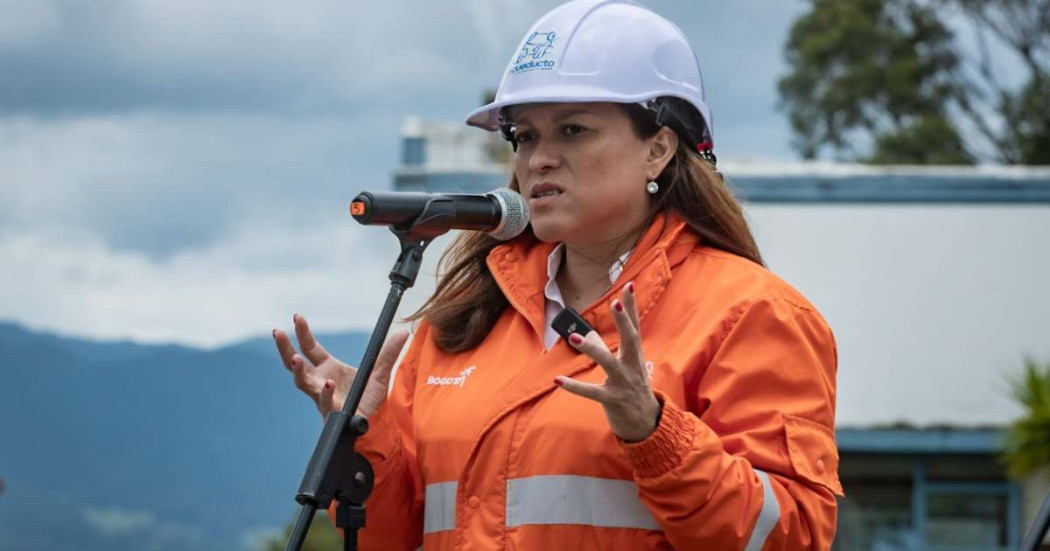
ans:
x=667 y=115
x=507 y=130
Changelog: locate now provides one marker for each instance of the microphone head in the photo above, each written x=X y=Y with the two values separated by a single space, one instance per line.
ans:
x=514 y=213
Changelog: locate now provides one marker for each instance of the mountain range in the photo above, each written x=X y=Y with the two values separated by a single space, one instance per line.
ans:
x=119 y=445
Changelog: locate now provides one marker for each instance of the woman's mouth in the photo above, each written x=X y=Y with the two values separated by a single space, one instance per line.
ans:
x=544 y=194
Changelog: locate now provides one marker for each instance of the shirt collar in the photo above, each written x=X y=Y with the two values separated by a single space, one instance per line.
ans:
x=519 y=268
x=554 y=260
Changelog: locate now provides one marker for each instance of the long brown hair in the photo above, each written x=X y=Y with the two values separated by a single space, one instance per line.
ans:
x=468 y=302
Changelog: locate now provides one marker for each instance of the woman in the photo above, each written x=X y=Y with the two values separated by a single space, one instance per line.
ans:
x=697 y=415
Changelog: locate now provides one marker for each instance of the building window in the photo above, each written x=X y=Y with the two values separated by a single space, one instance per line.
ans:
x=964 y=521
x=876 y=515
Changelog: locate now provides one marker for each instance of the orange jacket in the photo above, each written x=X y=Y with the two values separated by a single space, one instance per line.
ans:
x=480 y=450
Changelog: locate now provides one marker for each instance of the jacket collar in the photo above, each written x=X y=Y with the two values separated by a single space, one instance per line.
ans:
x=520 y=270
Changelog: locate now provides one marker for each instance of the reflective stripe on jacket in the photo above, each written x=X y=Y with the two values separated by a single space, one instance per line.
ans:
x=479 y=450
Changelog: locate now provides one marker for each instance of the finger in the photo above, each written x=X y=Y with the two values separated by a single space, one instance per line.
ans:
x=630 y=303
x=302 y=378
x=593 y=346
x=579 y=388
x=307 y=344
x=630 y=345
x=284 y=348
x=388 y=356
x=326 y=401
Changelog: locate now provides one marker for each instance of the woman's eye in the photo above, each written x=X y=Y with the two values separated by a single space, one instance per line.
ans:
x=524 y=136
x=572 y=129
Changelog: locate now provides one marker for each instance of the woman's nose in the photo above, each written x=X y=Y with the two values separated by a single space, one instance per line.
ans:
x=544 y=156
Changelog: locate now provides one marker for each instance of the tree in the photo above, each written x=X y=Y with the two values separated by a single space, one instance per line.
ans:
x=1023 y=133
x=874 y=68
x=888 y=74
x=321 y=537
x=1028 y=438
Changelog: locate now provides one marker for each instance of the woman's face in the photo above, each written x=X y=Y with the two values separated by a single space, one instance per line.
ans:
x=583 y=171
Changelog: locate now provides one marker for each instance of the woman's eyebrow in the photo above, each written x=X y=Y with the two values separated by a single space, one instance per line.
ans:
x=559 y=116
x=573 y=112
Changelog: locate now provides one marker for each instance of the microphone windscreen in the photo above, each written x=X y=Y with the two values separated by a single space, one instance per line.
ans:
x=514 y=213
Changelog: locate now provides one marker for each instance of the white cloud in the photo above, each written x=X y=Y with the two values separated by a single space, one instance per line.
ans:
x=153 y=533
x=320 y=57
x=159 y=183
x=256 y=537
x=501 y=24
x=115 y=522
x=334 y=273
x=26 y=21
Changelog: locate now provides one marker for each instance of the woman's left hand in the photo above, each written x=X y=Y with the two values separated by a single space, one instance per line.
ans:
x=628 y=400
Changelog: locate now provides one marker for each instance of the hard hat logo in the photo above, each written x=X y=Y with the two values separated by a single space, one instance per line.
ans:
x=536 y=46
x=535 y=49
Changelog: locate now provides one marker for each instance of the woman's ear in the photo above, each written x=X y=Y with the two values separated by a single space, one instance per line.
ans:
x=662 y=147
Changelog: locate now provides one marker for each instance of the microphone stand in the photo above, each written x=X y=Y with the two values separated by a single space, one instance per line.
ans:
x=336 y=470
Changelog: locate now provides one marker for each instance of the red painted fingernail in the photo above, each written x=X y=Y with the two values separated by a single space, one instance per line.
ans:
x=575 y=338
x=630 y=287
x=558 y=382
x=618 y=305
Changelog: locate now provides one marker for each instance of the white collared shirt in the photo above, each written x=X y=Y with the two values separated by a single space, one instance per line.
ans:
x=554 y=303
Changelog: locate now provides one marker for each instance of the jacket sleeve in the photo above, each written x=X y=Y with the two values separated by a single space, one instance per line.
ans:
x=394 y=510
x=749 y=461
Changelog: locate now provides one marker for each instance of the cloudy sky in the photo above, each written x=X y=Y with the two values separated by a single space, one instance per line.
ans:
x=180 y=171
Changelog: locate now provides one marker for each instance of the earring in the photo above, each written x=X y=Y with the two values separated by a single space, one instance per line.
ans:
x=652 y=187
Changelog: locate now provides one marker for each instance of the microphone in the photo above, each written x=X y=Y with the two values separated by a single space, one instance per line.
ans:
x=501 y=212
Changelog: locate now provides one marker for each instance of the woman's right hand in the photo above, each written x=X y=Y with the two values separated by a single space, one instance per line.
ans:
x=325 y=379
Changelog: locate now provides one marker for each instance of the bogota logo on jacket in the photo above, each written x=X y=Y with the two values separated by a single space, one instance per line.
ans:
x=451 y=381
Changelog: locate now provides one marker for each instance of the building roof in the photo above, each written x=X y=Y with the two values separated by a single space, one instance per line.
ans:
x=821 y=182
x=920 y=441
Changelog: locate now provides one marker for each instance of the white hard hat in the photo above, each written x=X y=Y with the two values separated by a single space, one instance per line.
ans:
x=601 y=50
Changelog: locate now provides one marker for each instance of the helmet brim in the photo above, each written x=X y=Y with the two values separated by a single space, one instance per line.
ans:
x=487 y=116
